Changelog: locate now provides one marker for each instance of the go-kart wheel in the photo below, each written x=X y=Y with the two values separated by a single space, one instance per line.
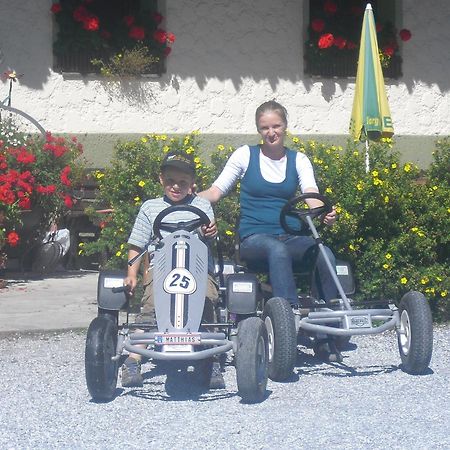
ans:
x=101 y=370
x=282 y=338
x=415 y=333
x=252 y=360
x=190 y=225
x=203 y=370
x=298 y=208
x=342 y=342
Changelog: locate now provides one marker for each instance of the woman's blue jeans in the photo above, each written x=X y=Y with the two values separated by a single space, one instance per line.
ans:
x=280 y=252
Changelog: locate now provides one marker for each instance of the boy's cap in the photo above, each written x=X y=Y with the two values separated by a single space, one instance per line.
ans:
x=180 y=161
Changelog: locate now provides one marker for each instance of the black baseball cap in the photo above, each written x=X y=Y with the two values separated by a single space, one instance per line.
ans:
x=180 y=161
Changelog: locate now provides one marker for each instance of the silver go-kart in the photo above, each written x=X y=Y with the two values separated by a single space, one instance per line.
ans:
x=180 y=270
x=336 y=321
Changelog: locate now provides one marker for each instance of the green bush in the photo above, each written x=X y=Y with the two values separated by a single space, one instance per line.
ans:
x=392 y=220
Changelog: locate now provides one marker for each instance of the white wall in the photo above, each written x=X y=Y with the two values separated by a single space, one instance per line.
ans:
x=229 y=57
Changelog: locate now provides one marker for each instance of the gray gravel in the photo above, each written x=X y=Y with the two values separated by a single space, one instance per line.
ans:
x=367 y=402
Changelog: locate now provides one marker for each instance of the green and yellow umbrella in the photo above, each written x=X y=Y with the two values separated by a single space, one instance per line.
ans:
x=371 y=117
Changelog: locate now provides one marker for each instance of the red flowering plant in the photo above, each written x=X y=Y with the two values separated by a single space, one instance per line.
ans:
x=335 y=31
x=35 y=175
x=118 y=37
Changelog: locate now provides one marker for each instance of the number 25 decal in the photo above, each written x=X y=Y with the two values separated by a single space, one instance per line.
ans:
x=180 y=281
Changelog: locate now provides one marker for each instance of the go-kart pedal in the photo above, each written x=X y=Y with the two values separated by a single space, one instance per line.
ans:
x=131 y=373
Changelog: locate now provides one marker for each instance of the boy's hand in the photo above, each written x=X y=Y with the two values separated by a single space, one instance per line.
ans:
x=131 y=282
x=210 y=230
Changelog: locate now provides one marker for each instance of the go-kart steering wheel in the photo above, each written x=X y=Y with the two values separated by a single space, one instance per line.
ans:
x=292 y=210
x=189 y=225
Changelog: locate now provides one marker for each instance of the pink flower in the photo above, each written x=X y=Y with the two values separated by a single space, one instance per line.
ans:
x=91 y=23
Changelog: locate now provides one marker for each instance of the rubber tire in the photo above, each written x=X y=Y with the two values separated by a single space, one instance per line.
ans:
x=203 y=370
x=101 y=371
x=252 y=360
x=342 y=342
x=416 y=346
x=280 y=323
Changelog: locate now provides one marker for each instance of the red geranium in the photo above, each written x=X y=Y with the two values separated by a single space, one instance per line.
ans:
x=325 y=41
x=24 y=201
x=170 y=38
x=340 y=42
x=405 y=35
x=160 y=36
x=158 y=18
x=330 y=7
x=318 y=25
x=80 y=13
x=68 y=201
x=13 y=238
x=91 y=23
x=25 y=158
x=129 y=20
x=65 y=176
x=56 y=8
x=389 y=50
x=137 y=33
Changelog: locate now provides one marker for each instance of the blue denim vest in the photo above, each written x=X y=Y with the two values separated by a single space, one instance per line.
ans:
x=261 y=201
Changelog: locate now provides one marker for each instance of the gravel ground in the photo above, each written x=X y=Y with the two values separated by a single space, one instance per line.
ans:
x=365 y=403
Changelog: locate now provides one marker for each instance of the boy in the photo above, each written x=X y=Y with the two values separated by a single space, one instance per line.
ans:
x=177 y=177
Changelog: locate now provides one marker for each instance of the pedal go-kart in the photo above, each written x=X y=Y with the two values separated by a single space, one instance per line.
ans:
x=317 y=321
x=180 y=269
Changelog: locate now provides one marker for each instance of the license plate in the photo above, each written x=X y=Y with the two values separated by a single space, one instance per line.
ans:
x=178 y=339
x=360 y=321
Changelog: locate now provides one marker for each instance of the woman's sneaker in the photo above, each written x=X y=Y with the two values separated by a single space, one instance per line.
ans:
x=131 y=373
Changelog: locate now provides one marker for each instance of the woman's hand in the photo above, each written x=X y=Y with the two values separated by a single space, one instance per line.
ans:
x=330 y=218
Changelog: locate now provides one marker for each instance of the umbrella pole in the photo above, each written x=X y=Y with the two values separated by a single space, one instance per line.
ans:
x=367 y=156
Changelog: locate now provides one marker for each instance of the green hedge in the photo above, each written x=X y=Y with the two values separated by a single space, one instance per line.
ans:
x=393 y=221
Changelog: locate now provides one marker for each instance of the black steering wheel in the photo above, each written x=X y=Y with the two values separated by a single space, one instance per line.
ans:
x=299 y=209
x=190 y=225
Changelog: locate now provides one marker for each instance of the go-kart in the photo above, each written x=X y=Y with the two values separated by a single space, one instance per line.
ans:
x=180 y=270
x=338 y=320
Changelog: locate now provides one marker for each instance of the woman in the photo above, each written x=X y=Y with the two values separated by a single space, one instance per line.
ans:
x=270 y=175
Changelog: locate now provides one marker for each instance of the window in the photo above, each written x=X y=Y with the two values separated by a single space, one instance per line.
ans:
x=334 y=30
x=109 y=36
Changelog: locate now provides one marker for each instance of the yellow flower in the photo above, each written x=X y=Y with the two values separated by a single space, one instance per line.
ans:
x=198 y=166
x=338 y=209
x=424 y=280
x=80 y=252
x=388 y=256
x=435 y=188
x=122 y=246
x=407 y=167
x=359 y=186
x=352 y=247
x=163 y=137
x=429 y=290
x=328 y=190
x=141 y=183
x=81 y=244
x=196 y=132
x=196 y=159
x=374 y=173
x=377 y=181
x=118 y=253
x=99 y=175
x=144 y=139
x=136 y=199
x=220 y=147
x=444 y=293
x=229 y=233
x=385 y=266
x=190 y=150
x=386 y=199
x=393 y=165
x=355 y=153
x=166 y=148
x=403 y=280
x=295 y=140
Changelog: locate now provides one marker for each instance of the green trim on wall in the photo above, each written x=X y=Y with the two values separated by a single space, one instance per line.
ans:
x=99 y=148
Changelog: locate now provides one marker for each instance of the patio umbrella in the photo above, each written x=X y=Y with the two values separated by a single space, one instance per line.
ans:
x=371 y=117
